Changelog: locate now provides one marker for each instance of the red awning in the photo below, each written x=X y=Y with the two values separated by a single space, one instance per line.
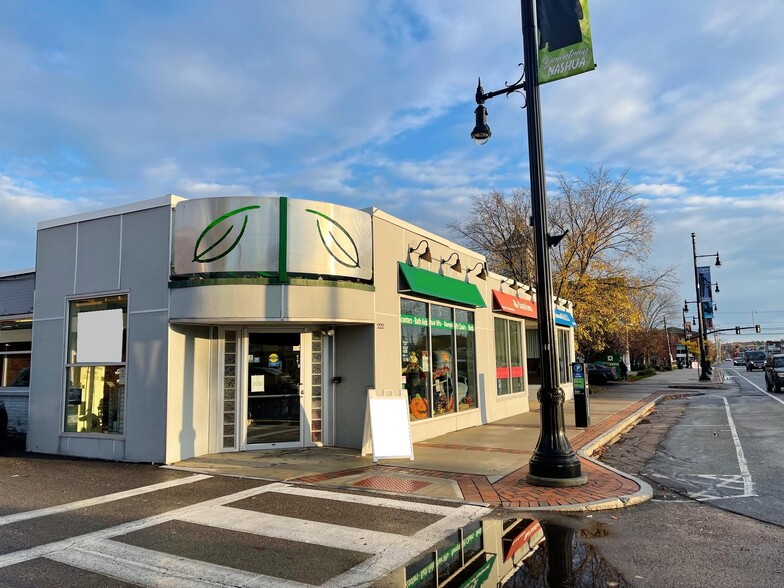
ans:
x=514 y=305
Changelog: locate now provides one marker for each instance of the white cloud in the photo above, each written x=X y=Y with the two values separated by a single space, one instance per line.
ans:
x=659 y=189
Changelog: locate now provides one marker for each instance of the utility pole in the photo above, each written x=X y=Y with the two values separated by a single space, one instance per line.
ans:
x=667 y=332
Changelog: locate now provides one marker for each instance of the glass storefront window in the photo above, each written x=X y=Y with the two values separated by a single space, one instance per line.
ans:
x=508 y=356
x=564 y=355
x=466 y=360
x=438 y=359
x=416 y=357
x=501 y=357
x=516 y=355
x=534 y=362
x=95 y=369
x=442 y=336
x=15 y=343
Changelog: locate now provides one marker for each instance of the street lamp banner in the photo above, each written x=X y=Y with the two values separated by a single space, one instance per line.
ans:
x=565 y=43
x=707 y=313
x=704 y=277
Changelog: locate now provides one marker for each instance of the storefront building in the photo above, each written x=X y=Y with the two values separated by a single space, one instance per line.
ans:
x=172 y=328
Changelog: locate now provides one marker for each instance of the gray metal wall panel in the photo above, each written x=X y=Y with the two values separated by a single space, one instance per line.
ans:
x=54 y=270
x=145 y=258
x=354 y=363
x=46 y=387
x=98 y=255
x=146 y=387
x=16 y=294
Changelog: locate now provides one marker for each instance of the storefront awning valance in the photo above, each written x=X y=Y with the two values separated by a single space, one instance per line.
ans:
x=435 y=285
x=564 y=318
x=513 y=305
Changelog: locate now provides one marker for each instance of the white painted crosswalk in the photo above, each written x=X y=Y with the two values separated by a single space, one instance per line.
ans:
x=104 y=552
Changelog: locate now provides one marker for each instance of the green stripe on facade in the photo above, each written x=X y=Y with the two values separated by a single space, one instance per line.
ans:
x=283 y=244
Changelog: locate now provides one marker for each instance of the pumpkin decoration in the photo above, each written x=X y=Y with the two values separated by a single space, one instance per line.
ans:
x=418 y=407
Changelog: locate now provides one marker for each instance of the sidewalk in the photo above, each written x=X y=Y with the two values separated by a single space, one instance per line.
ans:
x=485 y=464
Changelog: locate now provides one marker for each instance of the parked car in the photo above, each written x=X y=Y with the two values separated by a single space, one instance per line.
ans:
x=755 y=360
x=599 y=374
x=774 y=372
x=739 y=360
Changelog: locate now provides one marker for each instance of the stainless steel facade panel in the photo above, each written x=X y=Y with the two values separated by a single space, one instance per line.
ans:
x=226 y=235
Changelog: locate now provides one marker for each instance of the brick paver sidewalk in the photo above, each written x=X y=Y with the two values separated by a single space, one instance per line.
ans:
x=604 y=484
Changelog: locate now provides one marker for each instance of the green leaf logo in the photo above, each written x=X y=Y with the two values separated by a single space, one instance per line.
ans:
x=336 y=240
x=201 y=256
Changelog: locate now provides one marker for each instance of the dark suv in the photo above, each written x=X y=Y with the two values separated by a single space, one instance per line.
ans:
x=774 y=372
x=755 y=360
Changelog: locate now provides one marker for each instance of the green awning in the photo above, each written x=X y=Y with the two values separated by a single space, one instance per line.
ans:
x=437 y=286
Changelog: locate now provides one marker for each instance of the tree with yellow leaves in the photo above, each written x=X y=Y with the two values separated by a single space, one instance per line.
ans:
x=600 y=264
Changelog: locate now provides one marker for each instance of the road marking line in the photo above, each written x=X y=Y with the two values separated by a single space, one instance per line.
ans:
x=372 y=501
x=147 y=567
x=748 y=484
x=61 y=508
x=95 y=551
x=776 y=398
x=110 y=532
x=300 y=530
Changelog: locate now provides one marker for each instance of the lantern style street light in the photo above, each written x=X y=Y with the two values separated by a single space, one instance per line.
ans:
x=705 y=370
x=553 y=462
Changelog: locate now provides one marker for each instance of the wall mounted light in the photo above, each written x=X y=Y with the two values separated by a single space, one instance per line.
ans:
x=455 y=266
x=482 y=275
x=512 y=284
x=425 y=256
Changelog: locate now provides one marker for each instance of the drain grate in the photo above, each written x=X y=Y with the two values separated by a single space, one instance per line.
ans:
x=391 y=484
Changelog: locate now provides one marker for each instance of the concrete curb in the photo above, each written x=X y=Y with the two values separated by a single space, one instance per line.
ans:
x=645 y=492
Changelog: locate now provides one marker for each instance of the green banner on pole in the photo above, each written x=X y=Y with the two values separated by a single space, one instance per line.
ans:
x=565 y=44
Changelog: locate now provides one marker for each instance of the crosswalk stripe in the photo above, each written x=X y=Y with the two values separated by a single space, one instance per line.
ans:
x=147 y=567
x=96 y=551
x=70 y=506
x=422 y=507
x=301 y=530
x=44 y=550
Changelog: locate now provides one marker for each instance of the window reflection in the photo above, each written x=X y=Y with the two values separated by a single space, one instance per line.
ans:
x=95 y=392
x=438 y=359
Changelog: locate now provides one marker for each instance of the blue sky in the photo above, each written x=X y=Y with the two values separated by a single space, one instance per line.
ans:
x=370 y=103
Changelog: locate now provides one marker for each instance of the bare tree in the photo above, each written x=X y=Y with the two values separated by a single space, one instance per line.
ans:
x=600 y=264
x=498 y=228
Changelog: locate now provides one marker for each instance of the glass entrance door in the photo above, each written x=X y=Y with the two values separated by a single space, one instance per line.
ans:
x=274 y=389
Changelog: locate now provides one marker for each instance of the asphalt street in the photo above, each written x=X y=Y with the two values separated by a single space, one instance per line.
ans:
x=727 y=449
x=715 y=464
x=79 y=523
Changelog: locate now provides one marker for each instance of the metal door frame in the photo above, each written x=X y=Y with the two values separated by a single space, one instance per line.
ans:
x=305 y=389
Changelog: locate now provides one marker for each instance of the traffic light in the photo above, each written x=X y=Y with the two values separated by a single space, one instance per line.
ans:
x=737 y=330
x=757 y=328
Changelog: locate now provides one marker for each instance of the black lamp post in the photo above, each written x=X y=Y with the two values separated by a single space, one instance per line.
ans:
x=704 y=364
x=554 y=462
